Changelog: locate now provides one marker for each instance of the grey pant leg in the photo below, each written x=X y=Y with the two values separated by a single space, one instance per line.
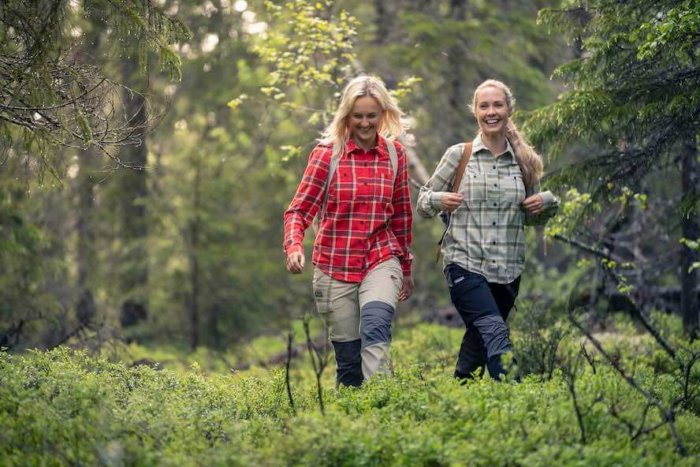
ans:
x=375 y=333
x=494 y=333
x=379 y=294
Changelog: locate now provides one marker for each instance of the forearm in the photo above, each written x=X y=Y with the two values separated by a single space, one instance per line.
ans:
x=431 y=194
x=550 y=207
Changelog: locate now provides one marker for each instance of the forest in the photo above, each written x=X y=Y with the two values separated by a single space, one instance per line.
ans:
x=148 y=150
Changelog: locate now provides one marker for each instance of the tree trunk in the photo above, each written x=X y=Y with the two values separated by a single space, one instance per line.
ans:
x=691 y=230
x=85 y=254
x=193 y=306
x=134 y=192
x=382 y=22
x=456 y=81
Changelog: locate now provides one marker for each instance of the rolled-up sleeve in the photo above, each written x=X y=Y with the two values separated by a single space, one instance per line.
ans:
x=550 y=207
x=430 y=196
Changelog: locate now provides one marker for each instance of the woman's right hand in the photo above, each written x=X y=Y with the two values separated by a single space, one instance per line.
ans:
x=450 y=201
x=295 y=262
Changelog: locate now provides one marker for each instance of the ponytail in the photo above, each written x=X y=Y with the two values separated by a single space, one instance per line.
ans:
x=529 y=161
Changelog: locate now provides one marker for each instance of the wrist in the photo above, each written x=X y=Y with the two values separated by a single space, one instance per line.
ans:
x=295 y=249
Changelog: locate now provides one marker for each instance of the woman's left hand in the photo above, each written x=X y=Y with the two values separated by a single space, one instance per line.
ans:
x=533 y=204
x=407 y=288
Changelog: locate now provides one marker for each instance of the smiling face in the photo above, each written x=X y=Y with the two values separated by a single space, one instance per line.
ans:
x=364 y=121
x=492 y=111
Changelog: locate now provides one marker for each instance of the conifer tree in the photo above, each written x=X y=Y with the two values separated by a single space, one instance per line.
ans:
x=631 y=117
x=52 y=95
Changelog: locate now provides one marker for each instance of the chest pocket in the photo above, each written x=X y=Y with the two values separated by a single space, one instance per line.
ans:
x=473 y=185
x=374 y=183
x=383 y=189
x=342 y=187
x=514 y=188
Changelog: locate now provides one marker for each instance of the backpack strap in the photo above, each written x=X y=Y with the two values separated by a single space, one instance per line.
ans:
x=463 y=162
x=393 y=156
x=454 y=188
x=333 y=166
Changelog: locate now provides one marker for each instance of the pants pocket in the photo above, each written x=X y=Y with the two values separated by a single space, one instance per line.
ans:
x=321 y=285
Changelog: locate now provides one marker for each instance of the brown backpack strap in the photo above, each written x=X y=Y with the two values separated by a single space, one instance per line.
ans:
x=459 y=173
x=466 y=154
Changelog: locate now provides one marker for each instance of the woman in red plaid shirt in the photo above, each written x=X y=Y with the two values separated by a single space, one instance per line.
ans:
x=361 y=255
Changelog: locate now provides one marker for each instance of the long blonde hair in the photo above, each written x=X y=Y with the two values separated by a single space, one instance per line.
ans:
x=392 y=124
x=530 y=162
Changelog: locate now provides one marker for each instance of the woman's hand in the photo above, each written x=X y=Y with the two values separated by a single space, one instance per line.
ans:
x=295 y=262
x=407 y=288
x=450 y=201
x=533 y=204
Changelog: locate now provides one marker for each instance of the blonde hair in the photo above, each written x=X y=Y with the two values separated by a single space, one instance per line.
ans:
x=530 y=162
x=392 y=124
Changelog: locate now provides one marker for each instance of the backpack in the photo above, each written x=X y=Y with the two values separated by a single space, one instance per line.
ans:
x=335 y=158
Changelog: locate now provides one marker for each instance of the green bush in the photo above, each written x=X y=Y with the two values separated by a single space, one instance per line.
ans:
x=65 y=407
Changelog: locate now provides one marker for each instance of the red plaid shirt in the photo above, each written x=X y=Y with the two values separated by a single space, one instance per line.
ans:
x=367 y=220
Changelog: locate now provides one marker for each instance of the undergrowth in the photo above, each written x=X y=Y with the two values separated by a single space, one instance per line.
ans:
x=66 y=407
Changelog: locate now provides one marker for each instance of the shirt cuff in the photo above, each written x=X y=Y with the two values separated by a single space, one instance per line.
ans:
x=436 y=200
x=548 y=199
x=407 y=266
x=295 y=248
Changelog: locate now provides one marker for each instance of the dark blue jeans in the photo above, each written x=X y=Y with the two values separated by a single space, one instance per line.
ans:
x=484 y=308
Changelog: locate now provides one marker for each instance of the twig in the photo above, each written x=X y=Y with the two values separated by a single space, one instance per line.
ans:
x=317 y=361
x=290 y=338
x=570 y=374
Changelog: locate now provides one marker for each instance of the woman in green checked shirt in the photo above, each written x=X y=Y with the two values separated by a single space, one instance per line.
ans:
x=484 y=245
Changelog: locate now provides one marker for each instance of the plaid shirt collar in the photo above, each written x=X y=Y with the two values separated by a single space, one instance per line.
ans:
x=478 y=145
x=380 y=147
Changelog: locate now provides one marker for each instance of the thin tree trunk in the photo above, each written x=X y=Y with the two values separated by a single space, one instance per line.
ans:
x=691 y=230
x=85 y=254
x=193 y=311
x=382 y=22
x=134 y=193
x=456 y=81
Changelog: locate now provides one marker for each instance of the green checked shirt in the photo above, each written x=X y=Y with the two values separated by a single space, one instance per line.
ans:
x=486 y=232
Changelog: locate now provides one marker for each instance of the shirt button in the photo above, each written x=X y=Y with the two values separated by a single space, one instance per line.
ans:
x=495 y=204
x=493 y=223
x=494 y=166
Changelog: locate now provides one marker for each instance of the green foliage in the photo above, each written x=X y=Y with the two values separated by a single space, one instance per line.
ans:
x=52 y=90
x=625 y=90
x=628 y=124
x=309 y=49
x=66 y=407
